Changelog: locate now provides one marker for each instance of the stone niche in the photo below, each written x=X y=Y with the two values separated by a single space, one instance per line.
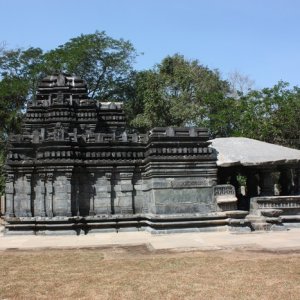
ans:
x=76 y=168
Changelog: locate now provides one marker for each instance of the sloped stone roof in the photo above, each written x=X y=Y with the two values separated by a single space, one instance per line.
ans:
x=240 y=151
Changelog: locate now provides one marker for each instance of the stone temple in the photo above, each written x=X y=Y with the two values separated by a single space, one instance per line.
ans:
x=77 y=168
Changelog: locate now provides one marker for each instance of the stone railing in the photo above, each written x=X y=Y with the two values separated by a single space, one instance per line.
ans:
x=287 y=204
x=225 y=197
x=274 y=212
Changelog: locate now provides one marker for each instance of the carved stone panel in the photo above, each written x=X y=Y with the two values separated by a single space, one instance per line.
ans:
x=10 y=193
x=62 y=195
x=102 y=196
x=123 y=193
x=22 y=196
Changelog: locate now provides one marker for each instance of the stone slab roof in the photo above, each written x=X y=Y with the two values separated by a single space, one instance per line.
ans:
x=240 y=151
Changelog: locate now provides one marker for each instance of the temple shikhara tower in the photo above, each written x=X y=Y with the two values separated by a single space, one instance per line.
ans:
x=77 y=167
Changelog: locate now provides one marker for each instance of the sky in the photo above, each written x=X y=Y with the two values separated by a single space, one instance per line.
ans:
x=258 y=38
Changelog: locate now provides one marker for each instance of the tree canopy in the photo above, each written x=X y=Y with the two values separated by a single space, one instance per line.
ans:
x=176 y=92
x=270 y=114
x=103 y=62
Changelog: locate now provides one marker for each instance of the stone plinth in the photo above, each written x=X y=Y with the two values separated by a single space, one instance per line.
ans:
x=274 y=212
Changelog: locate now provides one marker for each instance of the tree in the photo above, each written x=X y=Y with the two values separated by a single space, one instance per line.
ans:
x=103 y=62
x=239 y=84
x=270 y=114
x=2 y=47
x=176 y=92
x=20 y=71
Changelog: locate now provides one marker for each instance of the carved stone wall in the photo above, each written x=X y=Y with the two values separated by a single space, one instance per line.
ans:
x=75 y=157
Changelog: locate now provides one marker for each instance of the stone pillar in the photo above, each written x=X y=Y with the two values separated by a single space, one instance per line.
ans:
x=77 y=196
x=102 y=193
x=252 y=184
x=26 y=205
x=266 y=182
x=124 y=194
x=69 y=194
x=141 y=201
x=9 y=195
x=62 y=194
x=297 y=181
x=40 y=192
x=92 y=195
x=49 y=195
x=286 y=182
x=22 y=195
x=235 y=183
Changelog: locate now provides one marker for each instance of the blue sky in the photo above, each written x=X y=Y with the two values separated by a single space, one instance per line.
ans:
x=259 y=38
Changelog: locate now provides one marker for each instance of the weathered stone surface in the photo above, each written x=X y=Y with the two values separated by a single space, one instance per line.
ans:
x=225 y=197
x=239 y=151
x=271 y=212
x=288 y=204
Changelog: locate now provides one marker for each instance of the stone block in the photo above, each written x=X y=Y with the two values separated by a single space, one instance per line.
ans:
x=102 y=188
x=169 y=201
x=123 y=187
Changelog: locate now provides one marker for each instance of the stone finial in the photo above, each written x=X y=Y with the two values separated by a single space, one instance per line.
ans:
x=61 y=80
x=59 y=132
x=192 y=132
x=112 y=105
x=170 y=131
x=35 y=137
x=124 y=136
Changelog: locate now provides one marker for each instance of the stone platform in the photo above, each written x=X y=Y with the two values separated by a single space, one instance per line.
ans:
x=220 y=221
x=254 y=241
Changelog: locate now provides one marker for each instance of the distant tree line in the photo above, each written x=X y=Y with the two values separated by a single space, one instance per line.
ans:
x=175 y=92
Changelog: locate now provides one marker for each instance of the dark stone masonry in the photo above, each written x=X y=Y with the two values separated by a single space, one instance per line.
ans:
x=77 y=168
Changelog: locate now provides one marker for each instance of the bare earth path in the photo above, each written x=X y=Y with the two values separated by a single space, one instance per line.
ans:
x=138 y=265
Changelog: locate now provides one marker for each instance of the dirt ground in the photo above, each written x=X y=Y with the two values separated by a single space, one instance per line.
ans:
x=141 y=273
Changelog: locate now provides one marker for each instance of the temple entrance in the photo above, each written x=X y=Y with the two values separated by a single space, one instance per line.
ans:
x=82 y=193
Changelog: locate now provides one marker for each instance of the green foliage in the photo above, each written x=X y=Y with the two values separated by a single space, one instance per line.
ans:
x=24 y=69
x=177 y=92
x=20 y=71
x=103 y=62
x=270 y=114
